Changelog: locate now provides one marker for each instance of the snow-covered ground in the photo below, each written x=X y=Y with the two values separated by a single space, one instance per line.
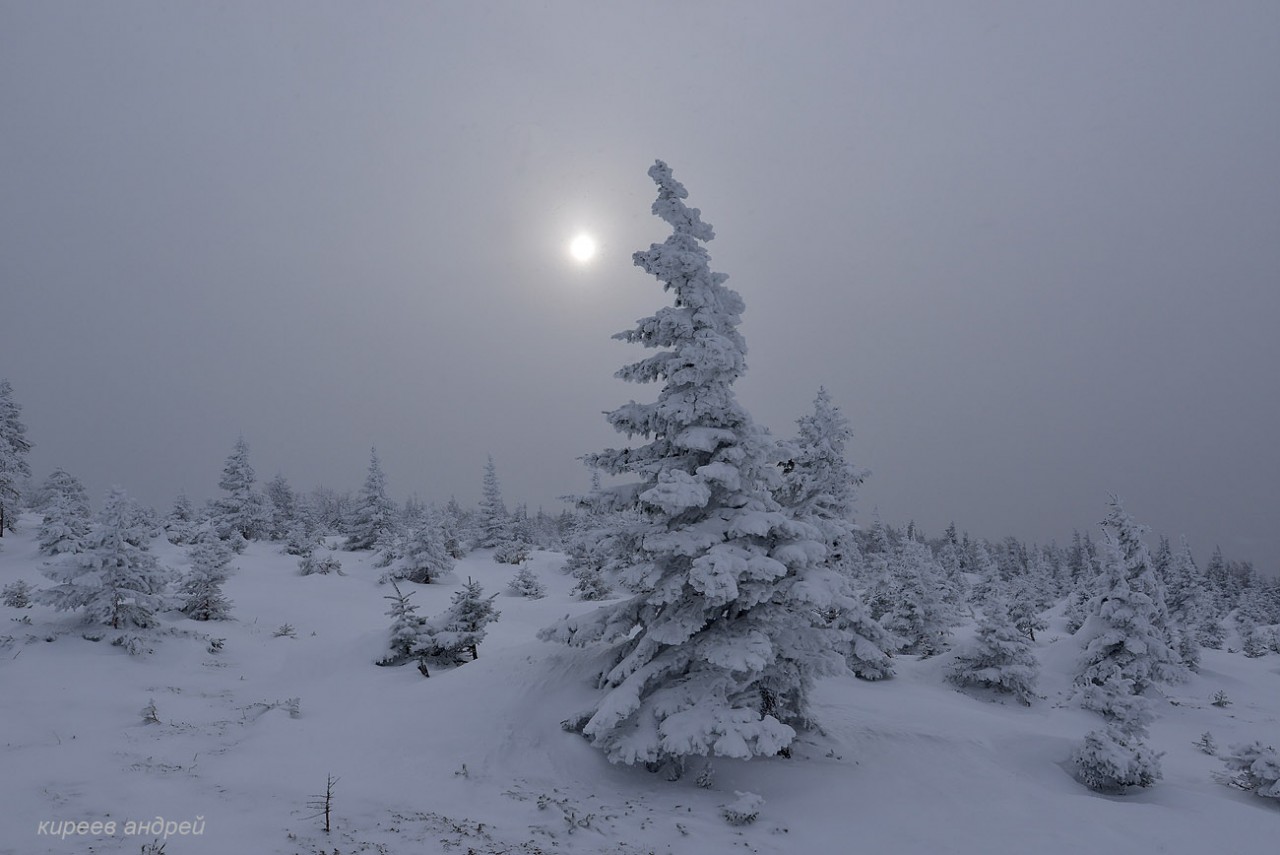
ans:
x=474 y=759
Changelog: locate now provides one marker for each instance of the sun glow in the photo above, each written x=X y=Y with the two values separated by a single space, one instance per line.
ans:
x=582 y=248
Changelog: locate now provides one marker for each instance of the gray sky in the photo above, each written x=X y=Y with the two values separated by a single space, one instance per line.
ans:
x=1032 y=249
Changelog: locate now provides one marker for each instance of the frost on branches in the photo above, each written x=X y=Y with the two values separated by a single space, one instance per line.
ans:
x=717 y=648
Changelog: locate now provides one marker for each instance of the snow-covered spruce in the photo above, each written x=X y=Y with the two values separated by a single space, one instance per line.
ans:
x=17 y=595
x=525 y=583
x=1207 y=744
x=717 y=648
x=373 y=522
x=426 y=557
x=1125 y=639
x=1025 y=604
x=493 y=524
x=918 y=615
x=301 y=538
x=743 y=810
x=819 y=488
x=587 y=543
x=1257 y=768
x=313 y=565
x=448 y=637
x=1113 y=759
x=589 y=581
x=14 y=447
x=512 y=552
x=406 y=628
x=116 y=580
x=1000 y=657
x=67 y=519
x=200 y=593
x=240 y=515
x=282 y=507
x=180 y=522
x=1187 y=601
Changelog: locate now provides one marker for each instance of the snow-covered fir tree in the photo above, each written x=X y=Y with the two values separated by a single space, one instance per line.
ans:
x=717 y=648
x=327 y=511
x=281 y=507
x=14 y=447
x=1218 y=580
x=1076 y=610
x=116 y=580
x=1116 y=758
x=240 y=515
x=67 y=518
x=876 y=577
x=586 y=543
x=406 y=628
x=819 y=487
x=493 y=523
x=1257 y=768
x=1125 y=639
x=311 y=564
x=589 y=582
x=986 y=570
x=951 y=559
x=300 y=539
x=373 y=521
x=1188 y=603
x=460 y=629
x=200 y=592
x=180 y=522
x=1001 y=657
x=455 y=522
x=426 y=556
x=1127 y=648
x=525 y=583
x=1025 y=603
x=1082 y=562
x=918 y=616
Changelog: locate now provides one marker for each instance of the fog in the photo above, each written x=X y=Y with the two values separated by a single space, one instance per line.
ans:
x=1032 y=250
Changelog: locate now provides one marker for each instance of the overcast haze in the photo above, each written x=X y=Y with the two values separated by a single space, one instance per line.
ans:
x=1032 y=249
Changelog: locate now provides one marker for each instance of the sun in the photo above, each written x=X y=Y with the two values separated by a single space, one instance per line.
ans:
x=582 y=248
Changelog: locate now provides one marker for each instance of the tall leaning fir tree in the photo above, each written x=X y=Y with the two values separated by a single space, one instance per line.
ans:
x=717 y=647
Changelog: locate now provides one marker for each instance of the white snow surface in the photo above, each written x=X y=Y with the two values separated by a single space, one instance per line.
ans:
x=474 y=759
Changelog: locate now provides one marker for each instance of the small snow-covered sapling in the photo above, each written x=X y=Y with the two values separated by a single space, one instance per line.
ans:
x=149 y=713
x=743 y=810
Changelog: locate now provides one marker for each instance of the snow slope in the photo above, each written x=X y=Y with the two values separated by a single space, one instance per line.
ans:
x=474 y=759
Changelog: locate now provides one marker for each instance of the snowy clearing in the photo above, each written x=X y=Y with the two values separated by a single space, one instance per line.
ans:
x=474 y=759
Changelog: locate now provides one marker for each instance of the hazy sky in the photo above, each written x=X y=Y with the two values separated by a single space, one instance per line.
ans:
x=1032 y=249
